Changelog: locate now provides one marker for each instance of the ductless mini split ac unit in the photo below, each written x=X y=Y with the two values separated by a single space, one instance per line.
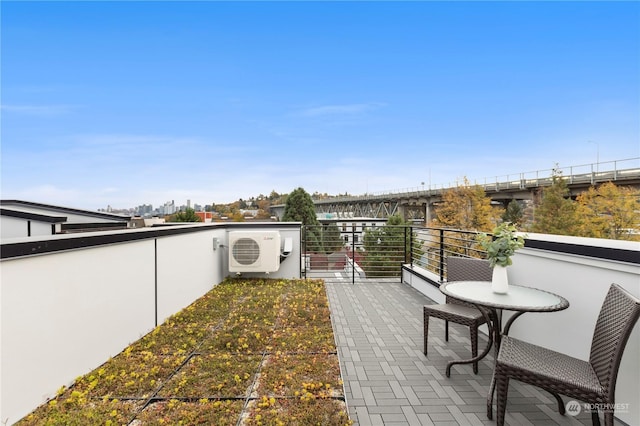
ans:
x=254 y=251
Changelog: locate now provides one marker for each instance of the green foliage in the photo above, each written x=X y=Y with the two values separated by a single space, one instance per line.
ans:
x=312 y=240
x=323 y=238
x=609 y=211
x=185 y=385
x=385 y=248
x=331 y=238
x=189 y=215
x=300 y=208
x=513 y=213
x=502 y=245
x=555 y=214
x=465 y=207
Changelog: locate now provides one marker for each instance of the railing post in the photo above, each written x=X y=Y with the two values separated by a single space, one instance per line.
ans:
x=404 y=249
x=441 y=255
x=304 y=252
x=353 y=254
x=571 y=174
x=410 y=248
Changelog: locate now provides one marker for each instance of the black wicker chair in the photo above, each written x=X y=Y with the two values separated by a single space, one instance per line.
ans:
x=592 y=381
x=454 y=310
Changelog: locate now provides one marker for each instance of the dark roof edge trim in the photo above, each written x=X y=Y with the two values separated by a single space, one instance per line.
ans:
x=94 y=225
x=66 y=209
x=608 y=253
x=32 y=216
x=85 y=240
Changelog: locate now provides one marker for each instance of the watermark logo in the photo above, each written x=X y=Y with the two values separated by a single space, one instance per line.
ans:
x=573 y=408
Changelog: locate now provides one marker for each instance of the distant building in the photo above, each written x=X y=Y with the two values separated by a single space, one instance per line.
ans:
x=167 y=209
x=20 y=219
x=205 y=216
x=352 y=229
x=249 y=213
x=144 y=210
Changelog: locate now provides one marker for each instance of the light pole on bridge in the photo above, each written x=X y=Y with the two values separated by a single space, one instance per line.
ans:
x=597 y=155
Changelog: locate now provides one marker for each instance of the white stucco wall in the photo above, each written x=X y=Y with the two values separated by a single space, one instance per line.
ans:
x=13 y=227
x=65 y=313
x=584 y=282
x=186 y=270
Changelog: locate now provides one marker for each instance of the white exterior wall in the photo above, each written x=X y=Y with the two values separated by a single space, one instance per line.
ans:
x=13 y=227
x=41 y=228
x=584 y=282
x=187 y=266
x=64 y=314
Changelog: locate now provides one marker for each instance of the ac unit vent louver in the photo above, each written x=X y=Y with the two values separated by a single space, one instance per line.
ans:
x=246 y=251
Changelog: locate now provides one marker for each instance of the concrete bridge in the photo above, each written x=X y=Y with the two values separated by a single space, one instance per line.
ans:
x=417 y=203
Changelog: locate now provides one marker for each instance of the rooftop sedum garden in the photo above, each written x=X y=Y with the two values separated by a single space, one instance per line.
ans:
x=249 y=352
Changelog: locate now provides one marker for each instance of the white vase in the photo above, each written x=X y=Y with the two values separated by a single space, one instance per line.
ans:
x=499 y=280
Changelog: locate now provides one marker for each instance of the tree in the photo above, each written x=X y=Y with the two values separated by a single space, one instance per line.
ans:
x=189 y=215
x=275 y=198
x=331 y=239
x=324 y=238
x=236 y=216
x=466 y=207
x=555 y=214
x=263 y=214
x=264 y=204
x=385 y=248
x=608 y=211
x=222 y=209
x=513 y=213
x=300 y=208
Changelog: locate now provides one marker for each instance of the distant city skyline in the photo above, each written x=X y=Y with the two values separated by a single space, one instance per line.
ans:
x=130 y=103
x=598 y=172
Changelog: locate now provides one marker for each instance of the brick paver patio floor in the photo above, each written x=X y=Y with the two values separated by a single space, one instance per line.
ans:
x=388 y=380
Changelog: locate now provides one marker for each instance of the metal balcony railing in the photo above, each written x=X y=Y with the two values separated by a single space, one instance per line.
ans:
x=380 y=252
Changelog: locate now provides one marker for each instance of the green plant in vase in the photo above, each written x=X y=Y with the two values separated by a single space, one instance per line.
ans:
x=500 y=246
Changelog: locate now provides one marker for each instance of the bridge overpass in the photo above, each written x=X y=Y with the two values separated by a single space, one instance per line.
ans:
x=417 y=203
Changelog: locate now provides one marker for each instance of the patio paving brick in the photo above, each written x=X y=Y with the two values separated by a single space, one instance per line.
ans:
x=389 y=381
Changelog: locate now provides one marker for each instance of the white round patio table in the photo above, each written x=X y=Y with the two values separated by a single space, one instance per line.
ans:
x=519 y=299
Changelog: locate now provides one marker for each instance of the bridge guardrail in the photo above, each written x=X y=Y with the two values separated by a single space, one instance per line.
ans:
x=586 y=173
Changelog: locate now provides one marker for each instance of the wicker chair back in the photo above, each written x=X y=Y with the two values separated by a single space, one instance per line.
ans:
x=618 y=315
x=467 y=269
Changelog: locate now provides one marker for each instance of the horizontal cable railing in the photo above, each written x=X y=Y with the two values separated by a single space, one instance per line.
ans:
x=381 y=251
x=431 y=246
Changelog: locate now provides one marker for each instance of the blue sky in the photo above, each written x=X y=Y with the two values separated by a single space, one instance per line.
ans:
x=125 y=103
